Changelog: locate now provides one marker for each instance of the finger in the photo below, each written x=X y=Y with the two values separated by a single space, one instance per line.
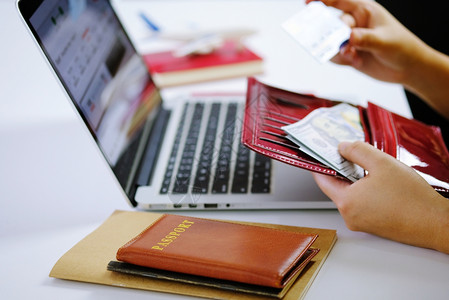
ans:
x=355 y=12
x=348 y=20
x=331 y=186
x=340 y=60
x=347 y=56
x=365 y=39
x=363 y=154
x=348 y=6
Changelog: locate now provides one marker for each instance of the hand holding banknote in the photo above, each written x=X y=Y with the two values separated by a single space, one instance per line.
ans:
x=392 y=200
x=320 y=132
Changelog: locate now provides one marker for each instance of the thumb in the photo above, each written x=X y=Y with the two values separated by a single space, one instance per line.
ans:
x=365 y=39
x=362 y=154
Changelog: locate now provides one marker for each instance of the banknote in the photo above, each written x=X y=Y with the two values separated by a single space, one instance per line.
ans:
x=320 y=132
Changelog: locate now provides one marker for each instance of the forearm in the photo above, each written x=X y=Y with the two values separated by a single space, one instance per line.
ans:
x=425 y=224
x=441 y=236
x=428 y=77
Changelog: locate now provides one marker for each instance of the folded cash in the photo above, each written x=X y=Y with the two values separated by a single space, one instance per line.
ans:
x=320 y=132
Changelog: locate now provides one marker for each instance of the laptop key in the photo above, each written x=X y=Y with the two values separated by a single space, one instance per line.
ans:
x=262 y=175
x=174 y=152
x=181 y=184
x=221 y=180
x=201 y=183
x=241 y=172
x=260 y=182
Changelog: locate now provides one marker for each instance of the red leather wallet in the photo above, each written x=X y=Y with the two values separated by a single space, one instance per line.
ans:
x=414 y=143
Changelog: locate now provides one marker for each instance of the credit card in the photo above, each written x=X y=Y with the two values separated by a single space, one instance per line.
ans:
x=319 y=30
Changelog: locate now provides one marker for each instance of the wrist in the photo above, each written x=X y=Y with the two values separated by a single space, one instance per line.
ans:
x=427 y=76
x=422 y=61
x=441 y=234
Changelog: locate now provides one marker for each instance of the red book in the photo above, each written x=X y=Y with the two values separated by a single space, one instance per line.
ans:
x=227 y=61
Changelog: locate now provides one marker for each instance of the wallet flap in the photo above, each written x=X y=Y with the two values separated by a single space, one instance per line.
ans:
x=267 y=110
x=414 y=143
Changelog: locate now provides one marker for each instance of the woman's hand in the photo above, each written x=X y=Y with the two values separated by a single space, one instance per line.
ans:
x=379 y=46
x=391 y=201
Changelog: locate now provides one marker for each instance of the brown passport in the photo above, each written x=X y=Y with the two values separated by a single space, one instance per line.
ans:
x=222 y=250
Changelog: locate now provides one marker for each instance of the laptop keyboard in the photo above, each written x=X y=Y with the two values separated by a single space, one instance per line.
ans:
x=209 y=157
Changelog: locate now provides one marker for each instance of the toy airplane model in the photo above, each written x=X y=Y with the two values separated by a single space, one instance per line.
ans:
x=199 y=42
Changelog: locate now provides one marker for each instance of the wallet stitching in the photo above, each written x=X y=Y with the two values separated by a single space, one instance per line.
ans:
x=280 y=155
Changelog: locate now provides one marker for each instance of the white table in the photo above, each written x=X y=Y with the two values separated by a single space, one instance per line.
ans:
x=49 y=201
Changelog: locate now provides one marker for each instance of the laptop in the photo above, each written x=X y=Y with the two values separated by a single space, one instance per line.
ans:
x=182 y=154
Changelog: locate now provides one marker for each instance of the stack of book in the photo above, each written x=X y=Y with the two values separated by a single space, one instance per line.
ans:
x=230 y=59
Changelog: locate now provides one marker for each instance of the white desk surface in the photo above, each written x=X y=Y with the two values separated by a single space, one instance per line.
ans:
x=49 y=200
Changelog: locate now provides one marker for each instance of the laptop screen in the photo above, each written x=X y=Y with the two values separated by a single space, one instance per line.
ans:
x=106 y=79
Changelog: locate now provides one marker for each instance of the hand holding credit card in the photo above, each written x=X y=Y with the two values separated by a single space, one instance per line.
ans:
x=319 y=30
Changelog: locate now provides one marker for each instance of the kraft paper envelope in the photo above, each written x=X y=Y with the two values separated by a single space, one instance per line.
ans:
x=87 y=260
